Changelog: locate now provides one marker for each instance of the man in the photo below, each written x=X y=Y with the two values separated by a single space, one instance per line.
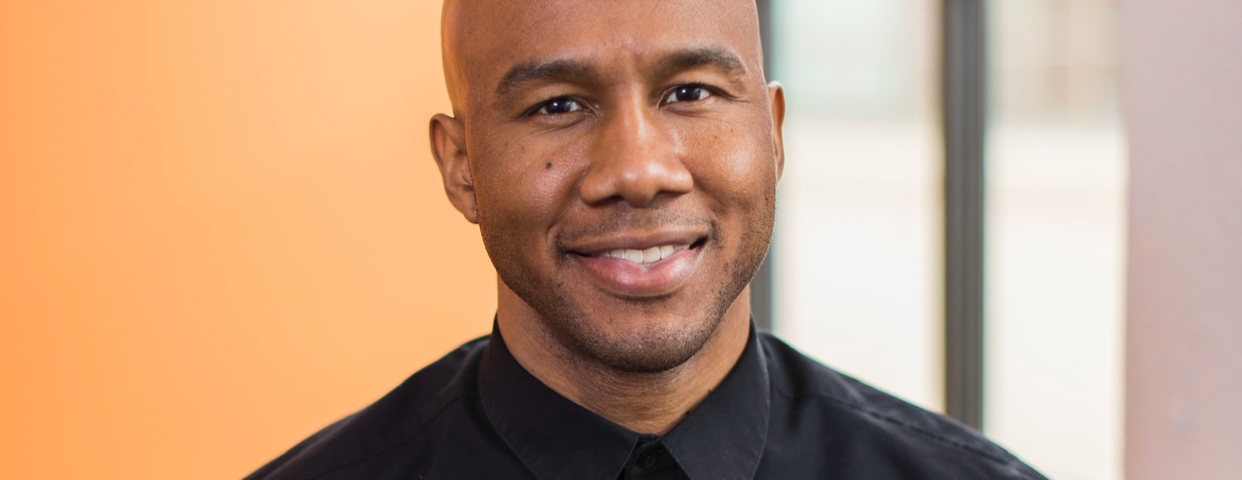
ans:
x=621 y=160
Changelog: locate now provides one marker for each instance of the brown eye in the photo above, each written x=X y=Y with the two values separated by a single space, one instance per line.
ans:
x=559 y=106
x=687 y=93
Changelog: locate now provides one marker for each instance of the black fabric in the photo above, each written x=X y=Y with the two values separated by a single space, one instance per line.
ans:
x=477 y=414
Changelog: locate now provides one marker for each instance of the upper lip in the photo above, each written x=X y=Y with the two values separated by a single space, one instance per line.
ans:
x=598 y=244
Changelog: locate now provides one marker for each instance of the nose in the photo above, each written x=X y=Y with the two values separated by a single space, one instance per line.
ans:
x=635 y=160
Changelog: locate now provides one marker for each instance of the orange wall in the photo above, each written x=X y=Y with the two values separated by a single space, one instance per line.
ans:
x=220 y=229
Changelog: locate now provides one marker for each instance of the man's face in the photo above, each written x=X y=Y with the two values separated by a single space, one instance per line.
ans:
x=622 y=164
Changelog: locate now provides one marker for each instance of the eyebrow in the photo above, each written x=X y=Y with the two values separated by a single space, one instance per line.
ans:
x=536 y=70
x=577 y=70
x=716 y=57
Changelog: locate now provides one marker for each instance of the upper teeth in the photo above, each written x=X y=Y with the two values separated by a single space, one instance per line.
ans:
x=650 y=255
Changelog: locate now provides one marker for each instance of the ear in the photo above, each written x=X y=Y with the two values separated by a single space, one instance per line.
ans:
x=776 y=98
x=448 y=146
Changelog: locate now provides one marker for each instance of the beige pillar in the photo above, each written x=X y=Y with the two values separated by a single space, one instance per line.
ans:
x=1182 y=96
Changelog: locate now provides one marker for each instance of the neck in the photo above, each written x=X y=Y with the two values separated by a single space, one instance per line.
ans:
x=643 y=402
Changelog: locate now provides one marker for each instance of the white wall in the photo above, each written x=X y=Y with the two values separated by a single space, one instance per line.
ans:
x=1182 y=96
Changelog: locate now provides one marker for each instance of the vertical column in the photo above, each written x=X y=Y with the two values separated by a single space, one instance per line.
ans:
x=964 y=106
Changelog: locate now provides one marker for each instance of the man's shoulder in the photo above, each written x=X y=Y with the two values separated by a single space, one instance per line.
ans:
x=394 y=420
x=886 y=427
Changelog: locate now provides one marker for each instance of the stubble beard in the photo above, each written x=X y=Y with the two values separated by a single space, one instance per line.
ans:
x=653 y=348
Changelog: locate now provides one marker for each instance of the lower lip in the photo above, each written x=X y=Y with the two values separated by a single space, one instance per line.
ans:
x=629 y=279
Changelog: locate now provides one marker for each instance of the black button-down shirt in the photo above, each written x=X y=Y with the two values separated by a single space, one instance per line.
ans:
x=477 y=414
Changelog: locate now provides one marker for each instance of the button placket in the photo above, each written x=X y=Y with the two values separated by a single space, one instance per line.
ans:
x=646 y=456
x=649 y=458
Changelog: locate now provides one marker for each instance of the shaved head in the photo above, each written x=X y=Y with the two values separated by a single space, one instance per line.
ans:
x=477 y=32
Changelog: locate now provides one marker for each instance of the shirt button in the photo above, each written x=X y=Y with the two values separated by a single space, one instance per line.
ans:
x=649 y=458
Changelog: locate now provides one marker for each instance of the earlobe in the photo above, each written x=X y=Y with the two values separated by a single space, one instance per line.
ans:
x=776 y=98
x=448 y=146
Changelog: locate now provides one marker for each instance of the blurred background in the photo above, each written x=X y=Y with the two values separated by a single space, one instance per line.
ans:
x=858 y=275
x=221 y=227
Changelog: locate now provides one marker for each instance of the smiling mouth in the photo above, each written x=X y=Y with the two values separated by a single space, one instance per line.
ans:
x=640 y=265
x=649 y=255
x=645 y=256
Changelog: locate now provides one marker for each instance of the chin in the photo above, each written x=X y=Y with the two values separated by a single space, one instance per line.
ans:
x=646 y=340
x=655 y=348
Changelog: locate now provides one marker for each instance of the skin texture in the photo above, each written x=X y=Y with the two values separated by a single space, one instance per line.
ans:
x=585 y=126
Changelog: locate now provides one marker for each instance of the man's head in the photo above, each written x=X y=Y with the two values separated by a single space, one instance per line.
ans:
x=585 y=131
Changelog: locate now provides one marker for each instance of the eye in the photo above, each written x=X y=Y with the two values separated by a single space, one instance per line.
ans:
x=558 y=106
x=687 y=93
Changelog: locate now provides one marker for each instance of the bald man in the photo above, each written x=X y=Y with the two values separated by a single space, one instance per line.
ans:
x=621 y=158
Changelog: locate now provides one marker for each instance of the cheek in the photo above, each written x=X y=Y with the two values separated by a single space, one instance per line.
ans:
x=732 y=165
x=522 y=186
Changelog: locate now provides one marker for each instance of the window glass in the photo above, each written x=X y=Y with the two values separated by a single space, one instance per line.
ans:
x=856 y=272
x=1055 y=236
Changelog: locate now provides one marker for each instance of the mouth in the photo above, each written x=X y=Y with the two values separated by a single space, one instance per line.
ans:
x=631 y=268
x=649 y=255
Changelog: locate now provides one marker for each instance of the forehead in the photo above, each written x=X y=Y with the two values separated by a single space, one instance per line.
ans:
x=489 y=37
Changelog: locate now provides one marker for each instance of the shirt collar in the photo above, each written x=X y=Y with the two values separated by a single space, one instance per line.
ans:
x=725 y=435
x=556 y=438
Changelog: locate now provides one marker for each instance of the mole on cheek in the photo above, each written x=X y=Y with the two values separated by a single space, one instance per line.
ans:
x=548 y=166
